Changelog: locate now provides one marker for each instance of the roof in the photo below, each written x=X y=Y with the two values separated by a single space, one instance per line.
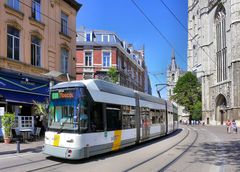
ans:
x=100 y=85
x=74 y=4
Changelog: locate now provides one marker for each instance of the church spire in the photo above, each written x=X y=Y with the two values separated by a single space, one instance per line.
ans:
x=173 y=65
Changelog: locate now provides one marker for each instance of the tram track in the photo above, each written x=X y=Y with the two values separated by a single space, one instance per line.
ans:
x=159 y=154
x=169 y=164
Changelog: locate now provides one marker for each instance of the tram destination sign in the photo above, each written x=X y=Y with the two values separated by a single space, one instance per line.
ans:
x=62 y=95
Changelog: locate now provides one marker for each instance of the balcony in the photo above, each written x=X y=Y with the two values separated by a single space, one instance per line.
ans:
x=88 y=69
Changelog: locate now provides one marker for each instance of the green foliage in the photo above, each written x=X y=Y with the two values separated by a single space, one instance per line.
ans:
x=187 y=93
x=197 y=111
x=113 y=74
x=39 y=108
x=7 y=122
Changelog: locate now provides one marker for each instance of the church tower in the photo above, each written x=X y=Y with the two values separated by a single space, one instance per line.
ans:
x=173 y=73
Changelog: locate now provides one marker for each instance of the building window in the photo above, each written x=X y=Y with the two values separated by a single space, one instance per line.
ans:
x=105 y=38
x=36 y=10
x=106 y=59
x=221 y=44
x=35 y=51
x=88 y=59
x=13 y=43
x=173 y=77
x=14 y=4
x=119 y=63
x=98 y=38
x=64 y=23
x=88 y=37
x=64 y=60
x=112 y=38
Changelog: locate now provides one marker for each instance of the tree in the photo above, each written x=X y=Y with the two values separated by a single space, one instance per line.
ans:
x=187 y=93
x=113 y=74
x=40 y=109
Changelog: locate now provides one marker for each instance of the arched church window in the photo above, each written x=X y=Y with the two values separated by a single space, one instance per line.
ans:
x=220 y=17
x=173 y=77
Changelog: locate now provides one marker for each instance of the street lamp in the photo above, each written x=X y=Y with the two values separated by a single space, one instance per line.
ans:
x=52 y=74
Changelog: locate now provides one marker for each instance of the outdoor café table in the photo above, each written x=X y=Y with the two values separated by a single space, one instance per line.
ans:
x=26 y=133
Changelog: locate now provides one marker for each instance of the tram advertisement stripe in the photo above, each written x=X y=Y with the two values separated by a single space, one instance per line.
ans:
x=56 y=140
x=117 y=140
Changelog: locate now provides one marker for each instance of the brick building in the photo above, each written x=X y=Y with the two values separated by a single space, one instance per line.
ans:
x=99 y=50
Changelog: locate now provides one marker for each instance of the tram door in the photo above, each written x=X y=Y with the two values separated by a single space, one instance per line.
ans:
x=145 y=123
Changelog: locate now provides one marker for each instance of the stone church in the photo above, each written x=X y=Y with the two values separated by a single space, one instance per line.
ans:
x=173 y=73
x=214 y=55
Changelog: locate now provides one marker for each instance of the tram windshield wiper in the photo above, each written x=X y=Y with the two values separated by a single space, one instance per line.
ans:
x=62 y=125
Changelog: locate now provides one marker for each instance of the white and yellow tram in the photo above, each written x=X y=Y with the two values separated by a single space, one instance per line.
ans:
x=91 y=117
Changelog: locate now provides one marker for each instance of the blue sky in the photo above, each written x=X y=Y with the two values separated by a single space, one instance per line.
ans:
x=123 y=18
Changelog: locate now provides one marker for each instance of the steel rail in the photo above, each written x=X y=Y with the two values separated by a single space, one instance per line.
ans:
x=179 y=156
x=149 y=159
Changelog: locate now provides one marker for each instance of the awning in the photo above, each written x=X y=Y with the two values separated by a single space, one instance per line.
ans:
x=22 y=98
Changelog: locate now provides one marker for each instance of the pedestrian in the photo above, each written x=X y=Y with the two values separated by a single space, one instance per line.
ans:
x=234 y=126
x=228 y=124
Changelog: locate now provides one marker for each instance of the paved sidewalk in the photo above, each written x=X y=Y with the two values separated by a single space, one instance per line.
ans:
x=34 y=147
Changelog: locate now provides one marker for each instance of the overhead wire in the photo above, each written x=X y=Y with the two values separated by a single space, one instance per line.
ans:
x=194 y=38
x=156 y=28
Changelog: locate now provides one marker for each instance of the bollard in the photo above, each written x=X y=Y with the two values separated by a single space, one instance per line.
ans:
x=18 y=146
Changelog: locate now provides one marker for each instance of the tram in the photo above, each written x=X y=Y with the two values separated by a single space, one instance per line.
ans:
x=91 y=117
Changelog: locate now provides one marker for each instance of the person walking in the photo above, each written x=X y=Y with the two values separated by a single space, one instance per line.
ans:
x=234 y=126
x=228 y=124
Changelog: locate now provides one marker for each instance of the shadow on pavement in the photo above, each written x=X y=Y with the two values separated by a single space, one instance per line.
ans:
x=226 y=153
x=33 y=150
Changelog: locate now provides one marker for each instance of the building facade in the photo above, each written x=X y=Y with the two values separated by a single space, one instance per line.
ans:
x=173 y=74
x=36 y=37
x=98 y=51
x=214 y=54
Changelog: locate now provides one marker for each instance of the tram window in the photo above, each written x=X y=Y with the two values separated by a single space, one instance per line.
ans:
x=84 y=115
x=97 y=118
x=145 y=111
x=114 y=121
x=175 y=116
x=128 y=117
x=162 y=118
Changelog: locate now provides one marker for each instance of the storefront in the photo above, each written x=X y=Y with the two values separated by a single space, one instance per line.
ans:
x=18 y=91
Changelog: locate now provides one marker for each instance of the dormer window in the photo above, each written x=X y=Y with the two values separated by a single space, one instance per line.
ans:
x=88 y=37
x=112 y=38
x=105 y=38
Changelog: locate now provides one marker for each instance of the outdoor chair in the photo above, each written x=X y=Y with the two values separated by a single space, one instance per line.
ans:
x=36 y=134
x=16 y=137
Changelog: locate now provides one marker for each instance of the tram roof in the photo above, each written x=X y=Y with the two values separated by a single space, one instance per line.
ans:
x=103 y=86
x=96 y=84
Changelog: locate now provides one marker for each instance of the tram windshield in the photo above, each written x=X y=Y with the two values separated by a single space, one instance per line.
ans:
x=67 y=107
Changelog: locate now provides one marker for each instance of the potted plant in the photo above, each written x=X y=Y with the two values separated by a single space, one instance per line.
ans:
x=7 y=123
